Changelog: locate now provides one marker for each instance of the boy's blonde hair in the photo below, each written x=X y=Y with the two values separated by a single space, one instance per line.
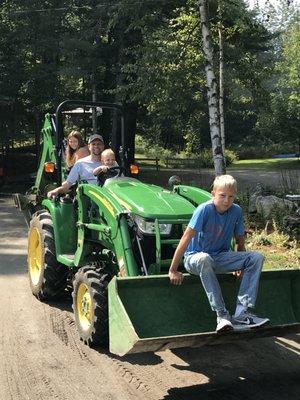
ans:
x=225 y=181
x=107 y=152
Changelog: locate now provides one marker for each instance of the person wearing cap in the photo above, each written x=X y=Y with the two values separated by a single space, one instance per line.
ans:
x=83 y=168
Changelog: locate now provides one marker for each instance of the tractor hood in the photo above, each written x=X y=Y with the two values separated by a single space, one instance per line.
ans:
x=148 y=201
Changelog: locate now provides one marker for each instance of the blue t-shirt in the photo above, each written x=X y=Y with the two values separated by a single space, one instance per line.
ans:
x=214 y=230
x=83 y=171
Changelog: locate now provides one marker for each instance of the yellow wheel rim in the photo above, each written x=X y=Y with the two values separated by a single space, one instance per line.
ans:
x=84 y=306
x=35 y=255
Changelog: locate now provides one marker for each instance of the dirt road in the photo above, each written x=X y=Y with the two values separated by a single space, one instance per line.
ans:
x=41 y=357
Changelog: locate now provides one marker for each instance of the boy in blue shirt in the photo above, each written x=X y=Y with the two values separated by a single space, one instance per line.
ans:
x=205 y=246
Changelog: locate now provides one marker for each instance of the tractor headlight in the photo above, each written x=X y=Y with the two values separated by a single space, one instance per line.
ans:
x=148 y=227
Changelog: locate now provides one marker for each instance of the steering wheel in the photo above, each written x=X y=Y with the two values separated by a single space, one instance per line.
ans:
x=113 y=172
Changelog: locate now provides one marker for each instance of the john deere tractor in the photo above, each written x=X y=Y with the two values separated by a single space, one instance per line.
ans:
x=113 y=244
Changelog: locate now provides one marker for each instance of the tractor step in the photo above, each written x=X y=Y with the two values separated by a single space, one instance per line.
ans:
x=66 y=259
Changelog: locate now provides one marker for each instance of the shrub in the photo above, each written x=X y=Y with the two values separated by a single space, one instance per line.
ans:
x=275 y=238
x=231 y=156
x=186 y=159
x=290 y=182
x=248 y=150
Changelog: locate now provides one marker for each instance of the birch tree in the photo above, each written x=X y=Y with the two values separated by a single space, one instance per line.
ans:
x=212 y=93
x=221 y=76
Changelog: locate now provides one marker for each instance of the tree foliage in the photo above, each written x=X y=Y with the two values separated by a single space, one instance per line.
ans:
x=148 y=56
x=282 y=118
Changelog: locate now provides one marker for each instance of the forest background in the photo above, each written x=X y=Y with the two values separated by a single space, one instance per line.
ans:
x=148 y=56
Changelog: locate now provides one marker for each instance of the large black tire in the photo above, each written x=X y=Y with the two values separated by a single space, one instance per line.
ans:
x=48 y=278
x=90 y=305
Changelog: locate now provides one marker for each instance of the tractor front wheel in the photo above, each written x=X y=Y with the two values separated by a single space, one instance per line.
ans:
x=48 y=278
x=90 y=305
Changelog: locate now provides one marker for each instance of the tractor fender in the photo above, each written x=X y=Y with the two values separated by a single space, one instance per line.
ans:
x=195 y=195
x=114 y=211
x=64 y=225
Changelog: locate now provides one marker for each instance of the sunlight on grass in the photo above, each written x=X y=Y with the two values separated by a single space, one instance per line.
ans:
x=267 y=164
x=279 y=251
x=278 y=260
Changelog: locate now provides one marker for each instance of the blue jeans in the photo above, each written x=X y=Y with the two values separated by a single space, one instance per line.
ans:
x=207 y=267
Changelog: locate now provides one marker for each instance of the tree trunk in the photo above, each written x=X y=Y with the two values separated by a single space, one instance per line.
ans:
x=130 y=130
x=212 y=94
x=221 y=78
x=37 y=133
x=94 y=111
x=130 y=39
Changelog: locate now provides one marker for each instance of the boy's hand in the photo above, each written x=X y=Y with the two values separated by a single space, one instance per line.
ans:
x=176 y=277
x=99 y=170
x=238 y=273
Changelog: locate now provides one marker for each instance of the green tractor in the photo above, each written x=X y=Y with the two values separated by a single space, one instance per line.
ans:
x=113 y=244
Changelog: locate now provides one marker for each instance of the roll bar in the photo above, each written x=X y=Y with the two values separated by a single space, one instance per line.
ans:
x=72 y=104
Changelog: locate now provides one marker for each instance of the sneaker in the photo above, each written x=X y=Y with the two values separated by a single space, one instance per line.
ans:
x=249 y=320
x=224 y=324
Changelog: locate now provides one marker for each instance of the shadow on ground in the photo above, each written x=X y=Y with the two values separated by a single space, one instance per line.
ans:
x=259 y=369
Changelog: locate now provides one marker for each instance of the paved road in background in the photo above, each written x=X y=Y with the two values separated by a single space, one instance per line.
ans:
x=247 y=179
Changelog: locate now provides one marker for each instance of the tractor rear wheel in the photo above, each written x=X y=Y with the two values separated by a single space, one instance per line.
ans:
x=48 y=278
x=90 y=305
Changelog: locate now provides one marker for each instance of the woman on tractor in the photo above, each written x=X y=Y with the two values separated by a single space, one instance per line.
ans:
x=76 y=149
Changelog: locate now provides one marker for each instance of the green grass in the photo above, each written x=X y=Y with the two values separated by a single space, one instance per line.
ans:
x=279 y=251
x=279 y=259
x=267 y=164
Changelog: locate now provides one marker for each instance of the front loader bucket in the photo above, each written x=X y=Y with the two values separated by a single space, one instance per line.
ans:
x=150 y=314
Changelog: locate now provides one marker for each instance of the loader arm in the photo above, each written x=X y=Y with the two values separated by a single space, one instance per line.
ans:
x=48 y=154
